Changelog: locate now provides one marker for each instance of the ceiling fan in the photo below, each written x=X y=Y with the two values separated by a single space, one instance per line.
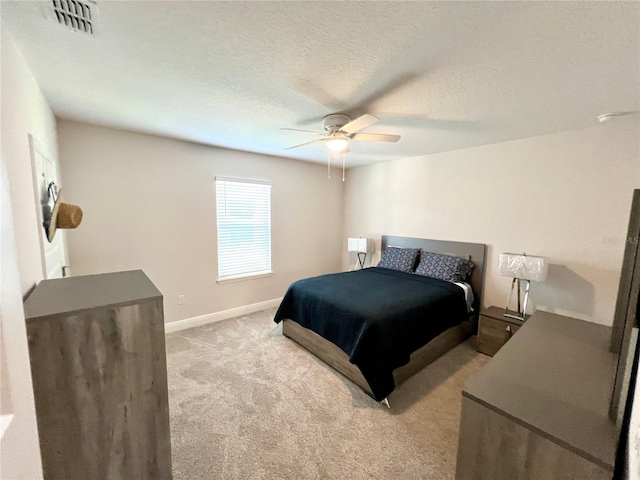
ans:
x=339 y=130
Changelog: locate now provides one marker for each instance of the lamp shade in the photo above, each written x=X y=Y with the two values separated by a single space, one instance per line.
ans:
x=362 y=245
x=526 y=267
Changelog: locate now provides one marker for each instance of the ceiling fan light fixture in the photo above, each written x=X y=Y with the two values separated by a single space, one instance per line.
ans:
x=337 y=144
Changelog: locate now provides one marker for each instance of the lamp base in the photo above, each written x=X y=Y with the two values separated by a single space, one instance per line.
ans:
x=520 y=313
x=515 y=315
x=362 y=257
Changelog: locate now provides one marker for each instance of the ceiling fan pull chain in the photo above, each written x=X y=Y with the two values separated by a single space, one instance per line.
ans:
x=329 y=163
x=343 y=157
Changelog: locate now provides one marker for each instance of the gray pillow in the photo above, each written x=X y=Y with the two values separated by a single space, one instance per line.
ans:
x=401 y=259
x=444 y=267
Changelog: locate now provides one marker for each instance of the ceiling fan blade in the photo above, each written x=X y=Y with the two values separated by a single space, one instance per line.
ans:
x=376 y=137
x=307 y=143
x=359 y=123
x=395 y=84
x=306 y=131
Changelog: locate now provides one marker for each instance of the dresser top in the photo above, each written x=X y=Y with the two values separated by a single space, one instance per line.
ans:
x=88 y=292
x=555 y=377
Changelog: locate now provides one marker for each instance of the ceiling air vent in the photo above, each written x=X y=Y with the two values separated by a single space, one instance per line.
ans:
x=74 y=14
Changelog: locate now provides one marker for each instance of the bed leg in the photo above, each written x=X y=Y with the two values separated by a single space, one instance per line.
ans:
x=386 y=402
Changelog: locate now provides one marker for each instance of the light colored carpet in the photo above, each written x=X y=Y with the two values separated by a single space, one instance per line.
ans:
x=248 y=403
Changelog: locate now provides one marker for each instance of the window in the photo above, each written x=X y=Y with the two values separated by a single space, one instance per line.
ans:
x=244 y=228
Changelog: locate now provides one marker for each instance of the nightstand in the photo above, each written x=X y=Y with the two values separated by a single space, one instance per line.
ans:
x=494 y=330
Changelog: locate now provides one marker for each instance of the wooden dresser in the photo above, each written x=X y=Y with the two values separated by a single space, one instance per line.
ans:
x=97 y=352
x=539 y=409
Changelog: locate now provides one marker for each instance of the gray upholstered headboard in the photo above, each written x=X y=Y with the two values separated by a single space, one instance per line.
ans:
x=475 y=252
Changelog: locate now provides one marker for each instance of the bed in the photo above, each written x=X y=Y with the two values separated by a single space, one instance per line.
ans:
x=378 y=326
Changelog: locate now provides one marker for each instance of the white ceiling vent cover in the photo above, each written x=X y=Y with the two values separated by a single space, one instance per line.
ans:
x=74 y=14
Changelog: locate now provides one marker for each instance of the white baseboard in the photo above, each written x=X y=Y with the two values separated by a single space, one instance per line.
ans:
x=218 y=316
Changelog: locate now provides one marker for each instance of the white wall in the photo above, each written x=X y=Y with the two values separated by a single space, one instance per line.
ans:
x=565 y=196
x=149 y=203
x=24 y=110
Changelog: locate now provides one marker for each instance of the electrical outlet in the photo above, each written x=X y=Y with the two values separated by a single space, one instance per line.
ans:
x=180 y=299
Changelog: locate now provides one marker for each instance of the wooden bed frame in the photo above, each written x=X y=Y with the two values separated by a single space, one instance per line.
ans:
x=335 y=357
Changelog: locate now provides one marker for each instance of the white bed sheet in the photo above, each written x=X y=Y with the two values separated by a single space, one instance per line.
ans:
x=468 y=294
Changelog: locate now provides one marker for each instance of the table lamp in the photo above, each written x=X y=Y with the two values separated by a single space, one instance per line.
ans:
x=522 y=268
x=361 y=246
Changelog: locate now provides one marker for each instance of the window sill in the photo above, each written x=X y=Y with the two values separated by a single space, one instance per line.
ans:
x=242 y=278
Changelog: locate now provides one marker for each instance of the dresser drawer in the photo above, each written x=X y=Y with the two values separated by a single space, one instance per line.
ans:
x=493 y=334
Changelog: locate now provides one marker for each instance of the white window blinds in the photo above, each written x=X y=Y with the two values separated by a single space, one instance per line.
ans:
x=244 y=228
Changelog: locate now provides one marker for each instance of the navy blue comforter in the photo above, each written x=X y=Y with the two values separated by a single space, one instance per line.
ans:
x=378 y=317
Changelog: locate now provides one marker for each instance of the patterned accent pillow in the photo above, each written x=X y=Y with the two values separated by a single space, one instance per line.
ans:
x=401 y=259
x=444 y=267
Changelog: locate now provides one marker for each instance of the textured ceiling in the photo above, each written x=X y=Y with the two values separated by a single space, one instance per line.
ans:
x=444 y=75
